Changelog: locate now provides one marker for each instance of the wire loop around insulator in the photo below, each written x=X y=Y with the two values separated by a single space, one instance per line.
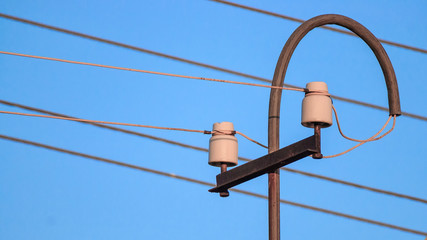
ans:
x=316 y=92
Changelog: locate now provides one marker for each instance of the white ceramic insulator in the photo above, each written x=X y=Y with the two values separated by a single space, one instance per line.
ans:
x=317 y=107
x=223 y=146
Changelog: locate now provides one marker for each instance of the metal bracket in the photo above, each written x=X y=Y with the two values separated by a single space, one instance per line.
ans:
x=267 y=163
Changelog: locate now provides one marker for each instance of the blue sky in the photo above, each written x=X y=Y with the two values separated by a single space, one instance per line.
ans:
x=51 y=195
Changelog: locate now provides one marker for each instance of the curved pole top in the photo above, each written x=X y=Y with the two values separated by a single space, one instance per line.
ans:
x=291 y=44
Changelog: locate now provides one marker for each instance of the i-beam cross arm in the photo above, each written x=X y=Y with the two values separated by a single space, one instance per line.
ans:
x=266 y=164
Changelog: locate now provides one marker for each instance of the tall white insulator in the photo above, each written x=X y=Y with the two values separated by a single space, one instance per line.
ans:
x=223 y=147
x=316 y=106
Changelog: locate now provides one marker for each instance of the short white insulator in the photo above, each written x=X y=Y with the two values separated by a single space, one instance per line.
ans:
x=316 y=106
x=223 y=145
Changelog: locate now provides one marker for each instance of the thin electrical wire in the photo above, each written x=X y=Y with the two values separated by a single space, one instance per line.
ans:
x=191 y=130
x=391 y=43
x=356 y=185
x=368 y=140
x=307 y=174
x=250 y=139
x=361 y=142
x=151 y=72
x=103 y=122
x=353 y=139
x=7 y=103
x=125 y=124
x=179 y=59
x=212 y=185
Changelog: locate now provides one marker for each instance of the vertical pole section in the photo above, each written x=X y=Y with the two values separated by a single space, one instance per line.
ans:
x=274 y=177
x=274 y=205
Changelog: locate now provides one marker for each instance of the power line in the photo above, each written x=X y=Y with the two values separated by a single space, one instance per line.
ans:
x=391 y=43
x=104 y=160
x=307 y=174
x=103 y=122
x=139 y=49
x=373 y=138
x=357 y=140
x=107 y=127
x=127 y=46
x=134 y=125
x=150 y=72
x=186 y=76
x=201 y=131
x=356 y=185
x=212 y=185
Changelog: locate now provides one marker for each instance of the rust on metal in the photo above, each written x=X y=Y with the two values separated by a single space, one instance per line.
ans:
x=224 y=193
x=317 y=155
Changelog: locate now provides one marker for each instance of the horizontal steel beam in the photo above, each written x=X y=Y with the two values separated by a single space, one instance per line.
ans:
x=266 y=164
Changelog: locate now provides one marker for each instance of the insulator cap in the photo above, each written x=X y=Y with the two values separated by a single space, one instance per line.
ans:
x=223 y=147
x=316 y=106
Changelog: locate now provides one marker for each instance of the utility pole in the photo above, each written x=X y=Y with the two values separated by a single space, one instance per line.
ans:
x=276 y=158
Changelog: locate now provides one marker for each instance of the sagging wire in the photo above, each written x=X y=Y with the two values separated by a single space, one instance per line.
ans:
x=361 y=142
x=366 y=140
x=133 y=125
x=152 y=72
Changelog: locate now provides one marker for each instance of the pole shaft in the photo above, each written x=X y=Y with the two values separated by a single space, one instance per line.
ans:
x=274 y=205
x=274 y=177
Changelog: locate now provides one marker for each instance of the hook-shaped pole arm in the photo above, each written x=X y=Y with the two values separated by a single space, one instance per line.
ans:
x=276 y=94
x=295 y=38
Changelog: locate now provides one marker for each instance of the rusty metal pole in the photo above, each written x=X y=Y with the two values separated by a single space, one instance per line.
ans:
x=274 y=205
x=276 y=95
x=274 y=177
